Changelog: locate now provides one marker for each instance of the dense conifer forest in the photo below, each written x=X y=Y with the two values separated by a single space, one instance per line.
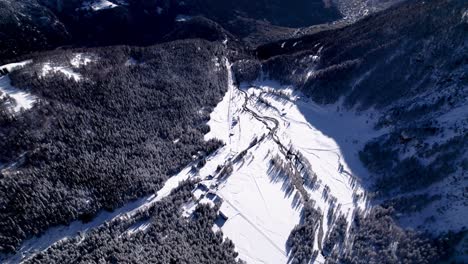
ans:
x=107 y=139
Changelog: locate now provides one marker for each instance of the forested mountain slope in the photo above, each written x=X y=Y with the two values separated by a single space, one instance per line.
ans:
x=410 y=63
x=27 y=26
x=154 y=236
x=350 y=125
x=107 y=138
x=52 y=23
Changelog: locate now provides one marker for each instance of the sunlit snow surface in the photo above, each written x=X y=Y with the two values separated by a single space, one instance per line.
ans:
x=22 y=99
x=261 y=214
x=48 y=69
x=97 y=5
x=81 y=59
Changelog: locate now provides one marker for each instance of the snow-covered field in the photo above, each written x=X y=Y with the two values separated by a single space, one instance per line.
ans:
x=22 y=99
x=78 y=60
x=12 y=66
x=81 y=59
x=261 y=214
x=48 y=68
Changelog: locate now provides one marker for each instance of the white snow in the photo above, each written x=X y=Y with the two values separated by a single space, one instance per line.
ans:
x=261 y=213
x=182 y=18
x=138 y=227
x=80 y=59
x=465 y=16
x=12 y=66
x=131 y=62
x=329 y=137
x=47 y=69
x=99 y=5
x=23 y=100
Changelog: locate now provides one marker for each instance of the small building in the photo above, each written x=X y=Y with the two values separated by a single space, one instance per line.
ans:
x=224 y=214
x=200 y=191
x=221 y=219
x=202 y=186
x=214 y=198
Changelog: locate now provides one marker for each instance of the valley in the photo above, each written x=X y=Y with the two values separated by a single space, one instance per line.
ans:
x=200 y=131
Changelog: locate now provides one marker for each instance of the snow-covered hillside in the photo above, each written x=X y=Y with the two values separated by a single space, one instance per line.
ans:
x=260 y=212
x=261 y=205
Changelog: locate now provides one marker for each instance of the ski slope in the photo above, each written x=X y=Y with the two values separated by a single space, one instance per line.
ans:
x=261 y=212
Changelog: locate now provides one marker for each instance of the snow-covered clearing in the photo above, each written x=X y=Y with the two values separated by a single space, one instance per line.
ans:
x=47 y=69
x=182 y=18
x=81 y=59
x=260 y=214
x=22 y=99
x=97 y=5
x=261 y=211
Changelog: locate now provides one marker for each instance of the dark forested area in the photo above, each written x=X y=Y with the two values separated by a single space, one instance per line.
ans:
x=374 y=237
x=96 y=143
x=168 y=238
x=137 y=115
x=378 y=60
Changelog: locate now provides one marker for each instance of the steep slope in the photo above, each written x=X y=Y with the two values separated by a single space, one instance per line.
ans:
x=53 y=23
x=413 y=73
x=294 y=13
x=408 y=64
x=28 y=26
